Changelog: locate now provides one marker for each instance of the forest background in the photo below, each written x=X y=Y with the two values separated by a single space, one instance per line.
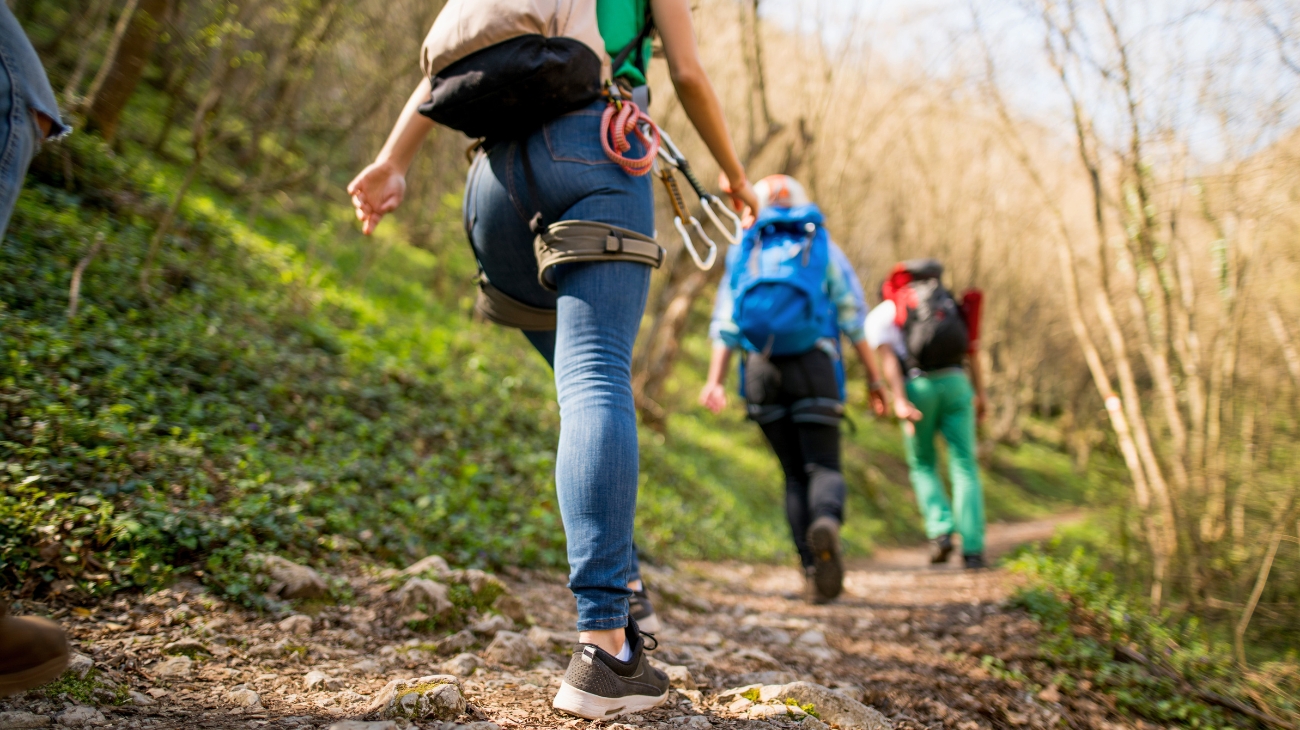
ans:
x=204 y=359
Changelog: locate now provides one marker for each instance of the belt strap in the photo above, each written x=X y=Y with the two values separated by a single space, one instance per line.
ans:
x=570 y=242
x=496 y=306
x=765 y=414
x=826 y=411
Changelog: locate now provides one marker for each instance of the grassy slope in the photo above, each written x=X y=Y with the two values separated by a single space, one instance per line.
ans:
x=294 y=388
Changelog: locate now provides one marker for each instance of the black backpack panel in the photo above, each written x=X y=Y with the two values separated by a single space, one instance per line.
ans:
x=934 y=330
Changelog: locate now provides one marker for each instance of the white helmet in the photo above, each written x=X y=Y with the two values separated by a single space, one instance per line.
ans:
x=780 y=191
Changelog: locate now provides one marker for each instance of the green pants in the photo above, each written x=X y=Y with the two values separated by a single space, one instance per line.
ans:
x=947 y=404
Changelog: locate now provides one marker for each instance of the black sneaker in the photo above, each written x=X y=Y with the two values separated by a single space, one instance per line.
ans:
x=940 y=549
x=597 y=686
x=975 y=561
x=642 y=611
x=828 y=569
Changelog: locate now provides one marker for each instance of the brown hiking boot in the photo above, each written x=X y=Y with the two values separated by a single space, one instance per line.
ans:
x=828 y=567
x=33 y=651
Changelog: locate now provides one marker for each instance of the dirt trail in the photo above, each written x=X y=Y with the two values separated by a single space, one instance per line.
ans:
x=910 y=641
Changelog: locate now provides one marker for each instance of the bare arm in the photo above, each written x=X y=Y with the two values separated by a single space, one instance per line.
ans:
x=875 y=385
x=714 y=395
x=903 y=407
x=379 y=188
x=673 y=19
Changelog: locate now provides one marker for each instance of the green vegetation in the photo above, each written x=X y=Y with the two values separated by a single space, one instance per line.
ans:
x=1167 y=668
x=88 y=690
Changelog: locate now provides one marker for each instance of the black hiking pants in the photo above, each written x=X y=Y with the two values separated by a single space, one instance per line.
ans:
x=796 y=401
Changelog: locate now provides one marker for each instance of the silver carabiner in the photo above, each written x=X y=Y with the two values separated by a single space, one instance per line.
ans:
x=739 y=229
x=704 y=264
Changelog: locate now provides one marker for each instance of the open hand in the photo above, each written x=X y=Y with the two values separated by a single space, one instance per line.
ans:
x=714 y=397
x=905 y=411
x=376 y=191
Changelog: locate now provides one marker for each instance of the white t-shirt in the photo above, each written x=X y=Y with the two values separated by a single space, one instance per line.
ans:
x=881 y=329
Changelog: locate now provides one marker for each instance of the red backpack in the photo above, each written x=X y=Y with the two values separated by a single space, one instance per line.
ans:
x=937 y=331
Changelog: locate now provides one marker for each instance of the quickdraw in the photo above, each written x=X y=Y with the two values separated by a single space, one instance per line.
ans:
x=623 y=117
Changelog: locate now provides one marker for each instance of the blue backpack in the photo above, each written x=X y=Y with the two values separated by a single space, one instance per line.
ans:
x=778 y=281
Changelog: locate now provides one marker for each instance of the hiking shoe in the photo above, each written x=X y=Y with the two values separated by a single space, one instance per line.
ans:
x=642 y=611
x=828 y=568
x=974 y=561
x=940 y=549
x=33 y=651
x=597 y=686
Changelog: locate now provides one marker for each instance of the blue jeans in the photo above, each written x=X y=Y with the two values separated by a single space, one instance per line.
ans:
x=19 y=139
x=598 y=311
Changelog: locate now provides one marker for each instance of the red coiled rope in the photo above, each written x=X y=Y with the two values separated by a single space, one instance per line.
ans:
x=615 y=124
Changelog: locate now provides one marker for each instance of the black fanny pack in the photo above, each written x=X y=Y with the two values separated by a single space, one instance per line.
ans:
x=511 y=88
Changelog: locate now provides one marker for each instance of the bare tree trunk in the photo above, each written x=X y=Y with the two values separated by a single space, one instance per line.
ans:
x=123 y=66
x=98 y=19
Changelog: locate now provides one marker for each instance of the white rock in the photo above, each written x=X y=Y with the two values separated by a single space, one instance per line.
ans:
x=298 y=625
x=291 y=579
x=812 y=637
x=348 y=697
x=316 y=680
x=836 y=709
x=510 y=648
x=23 y=720
x=139 y=698
x=432 y=564
x=242 y=696
x=545 y=639
x=156 y=692
x=427 y=596
x=694 y=722
x=457 y=642
x=679 y=676
x=177 y=667
x=367 y=666
x=768 y=712
x=479 y=725
x=80 y=665
x=740 y=705
x=736 y=691
x=770 y=692
x=363 y=725
x=81 y=717
x=461 y=665
x=492 y=623
x=758 y=655
x=436 y=697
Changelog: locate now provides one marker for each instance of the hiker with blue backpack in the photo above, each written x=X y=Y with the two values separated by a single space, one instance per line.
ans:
x=924 y=336
x=787 y=296
x=560 y=216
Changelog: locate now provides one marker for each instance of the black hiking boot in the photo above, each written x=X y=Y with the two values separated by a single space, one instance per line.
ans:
x=599 y=687
x=641 y=609
x=828 y=568
x=941 y=549
x=974 y=561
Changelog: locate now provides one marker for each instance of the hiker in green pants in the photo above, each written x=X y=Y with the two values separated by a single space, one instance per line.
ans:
x=922 y=336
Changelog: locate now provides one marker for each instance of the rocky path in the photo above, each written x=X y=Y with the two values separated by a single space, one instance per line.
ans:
x=926 y=648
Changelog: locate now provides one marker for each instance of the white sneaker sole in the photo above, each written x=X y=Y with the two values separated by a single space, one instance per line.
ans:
x=574 y=701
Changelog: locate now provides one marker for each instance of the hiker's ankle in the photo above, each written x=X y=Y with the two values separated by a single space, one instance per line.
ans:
x=611 y=640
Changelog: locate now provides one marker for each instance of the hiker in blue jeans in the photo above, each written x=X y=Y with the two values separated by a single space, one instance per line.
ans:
x=33 y=651
x=562 y=172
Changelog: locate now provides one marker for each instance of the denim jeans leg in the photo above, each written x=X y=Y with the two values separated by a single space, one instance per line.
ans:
x=18 y=141
x=599 y=311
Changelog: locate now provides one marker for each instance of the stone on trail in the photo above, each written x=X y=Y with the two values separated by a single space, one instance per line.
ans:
x=425 y=595
x=461 y=665
x=79 y=716
x=492 y=623
x=367 y=666
x=770 y=676
x=298 y=625
x=678 y=676
x=835 y=708
x=23 y=720
x=186 y=646
x=434 y=564
x=510 y=648
x=138 y=698
x=508 y=604
x=692 y=722
x=242 y=696
x=363 y=725
x=177 y=667
x=544 y=639
x=316 y=680
x=292 y=580
x=80 y=665
x=812 y=637
x=457 y=642
x=435 y=697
